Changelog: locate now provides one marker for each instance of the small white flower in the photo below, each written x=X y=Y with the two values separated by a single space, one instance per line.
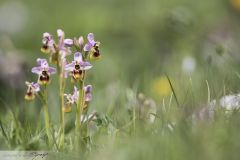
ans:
x=188 y=64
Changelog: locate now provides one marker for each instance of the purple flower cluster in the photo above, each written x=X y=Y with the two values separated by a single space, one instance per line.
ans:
x=59 y=51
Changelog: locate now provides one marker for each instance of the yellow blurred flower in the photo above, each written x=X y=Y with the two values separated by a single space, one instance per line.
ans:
x=161 y=87
x=236 y=4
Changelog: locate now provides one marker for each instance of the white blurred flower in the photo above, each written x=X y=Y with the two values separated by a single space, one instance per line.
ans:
x=230 y=102
x=188 y=64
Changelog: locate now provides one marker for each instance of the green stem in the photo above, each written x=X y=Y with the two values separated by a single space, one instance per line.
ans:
x=61 y=94
x=46 y=114
x=80 y=104
x=134 y=120
x=79 y=109
x=59 y=71
x=62 y=121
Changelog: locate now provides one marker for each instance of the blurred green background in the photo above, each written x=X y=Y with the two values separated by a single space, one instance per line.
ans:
x=142 y=41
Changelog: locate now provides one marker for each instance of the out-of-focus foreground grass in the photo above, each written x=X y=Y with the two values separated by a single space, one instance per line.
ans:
x=195 y=43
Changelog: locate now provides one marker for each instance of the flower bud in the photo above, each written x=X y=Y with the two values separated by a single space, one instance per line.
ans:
x=80 y=41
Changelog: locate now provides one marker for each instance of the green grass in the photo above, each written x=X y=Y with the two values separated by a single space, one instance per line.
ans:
x=118 y=135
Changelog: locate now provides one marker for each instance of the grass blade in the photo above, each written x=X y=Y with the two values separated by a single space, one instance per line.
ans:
x=174 y=93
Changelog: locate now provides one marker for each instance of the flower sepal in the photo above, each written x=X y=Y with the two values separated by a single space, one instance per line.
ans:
x=79 y=43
